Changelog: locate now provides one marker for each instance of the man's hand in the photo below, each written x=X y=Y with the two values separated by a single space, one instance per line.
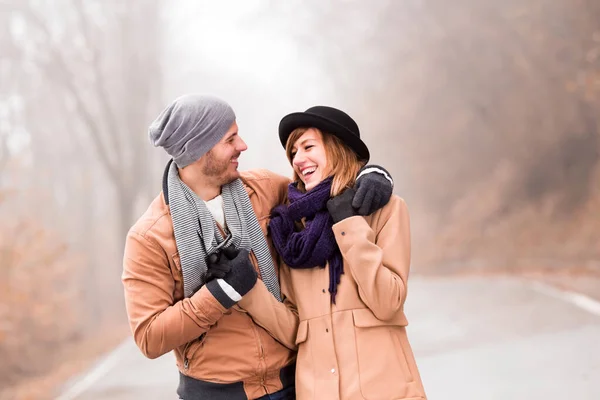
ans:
x=374 y=188
x=237 y=282
x=218 y=264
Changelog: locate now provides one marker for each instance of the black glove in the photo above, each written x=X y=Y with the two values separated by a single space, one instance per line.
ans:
x=236 y=283
x=340 y=207
x=373 y=189
x=218 y=264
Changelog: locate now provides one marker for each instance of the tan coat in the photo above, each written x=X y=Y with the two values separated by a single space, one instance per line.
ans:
x=210 y=343
x=356 y=348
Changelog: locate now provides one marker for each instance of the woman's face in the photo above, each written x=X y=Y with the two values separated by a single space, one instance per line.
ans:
x=309 y=158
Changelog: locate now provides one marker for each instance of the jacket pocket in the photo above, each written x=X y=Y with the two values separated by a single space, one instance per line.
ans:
x=177 y=277
x=382 y=364
x=302 y=332
x=364 y=318
x=190 y=349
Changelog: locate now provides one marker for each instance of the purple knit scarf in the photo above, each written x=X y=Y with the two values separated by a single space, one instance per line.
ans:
x=315 y=245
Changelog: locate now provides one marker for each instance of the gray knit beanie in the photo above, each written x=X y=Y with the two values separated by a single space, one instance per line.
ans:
x=191 y=126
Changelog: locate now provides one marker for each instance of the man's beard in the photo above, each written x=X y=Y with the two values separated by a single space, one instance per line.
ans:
x=217 y=169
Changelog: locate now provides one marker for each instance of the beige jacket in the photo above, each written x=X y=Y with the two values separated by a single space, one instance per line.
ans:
x=358 y=347
x=210 y=343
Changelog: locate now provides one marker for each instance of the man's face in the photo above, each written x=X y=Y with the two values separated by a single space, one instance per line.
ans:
x=221 y=162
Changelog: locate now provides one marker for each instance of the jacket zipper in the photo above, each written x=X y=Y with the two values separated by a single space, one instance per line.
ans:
x=186 y=358
x=260 y=345
x=261 y=357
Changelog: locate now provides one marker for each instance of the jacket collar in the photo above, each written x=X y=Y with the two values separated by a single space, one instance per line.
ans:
x=165 y=182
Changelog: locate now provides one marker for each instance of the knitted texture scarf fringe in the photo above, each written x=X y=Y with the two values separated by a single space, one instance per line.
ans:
x=315 y=245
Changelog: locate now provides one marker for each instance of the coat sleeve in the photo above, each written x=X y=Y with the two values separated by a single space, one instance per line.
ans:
x=279 y=187
x=159 y=324
x=279 y=319
x=378 y=260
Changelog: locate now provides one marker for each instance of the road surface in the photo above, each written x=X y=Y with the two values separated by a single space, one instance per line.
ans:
x=474 y=338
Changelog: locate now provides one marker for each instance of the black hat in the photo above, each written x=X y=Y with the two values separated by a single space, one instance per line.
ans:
x=329 y=120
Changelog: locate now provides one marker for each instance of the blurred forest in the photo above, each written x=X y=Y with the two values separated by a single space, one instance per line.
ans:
x=492 y=108
x=76 y=83
x=485 y=112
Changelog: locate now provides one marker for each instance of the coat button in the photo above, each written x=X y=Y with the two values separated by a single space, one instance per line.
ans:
x=333 y=370
x=326 y=329
x=323 y=290
x=343 y=233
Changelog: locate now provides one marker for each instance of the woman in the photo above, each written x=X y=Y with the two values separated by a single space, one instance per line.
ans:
x=345 y=274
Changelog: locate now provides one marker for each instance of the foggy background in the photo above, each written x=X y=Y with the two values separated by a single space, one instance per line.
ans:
x=485 y=112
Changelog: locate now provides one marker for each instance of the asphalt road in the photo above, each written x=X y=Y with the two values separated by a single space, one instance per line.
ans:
x=474 y=338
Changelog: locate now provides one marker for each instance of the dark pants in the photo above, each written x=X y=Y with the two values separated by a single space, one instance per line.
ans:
x=287 y=393
x=195 y=389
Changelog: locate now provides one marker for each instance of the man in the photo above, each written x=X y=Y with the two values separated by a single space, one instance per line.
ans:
x=197 y=251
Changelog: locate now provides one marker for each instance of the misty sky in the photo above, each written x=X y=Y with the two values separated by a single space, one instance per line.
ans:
x=242 y=53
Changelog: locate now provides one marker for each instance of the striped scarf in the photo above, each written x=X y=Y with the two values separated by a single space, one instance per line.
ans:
x=197 y=235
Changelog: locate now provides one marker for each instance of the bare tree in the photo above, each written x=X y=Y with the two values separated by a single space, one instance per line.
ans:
x=480 y=109
x=9 y=51
x=79 y=82
x=103 y=58
x=4 y=155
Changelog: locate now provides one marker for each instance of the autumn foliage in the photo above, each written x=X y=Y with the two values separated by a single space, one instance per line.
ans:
x=39 y=297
